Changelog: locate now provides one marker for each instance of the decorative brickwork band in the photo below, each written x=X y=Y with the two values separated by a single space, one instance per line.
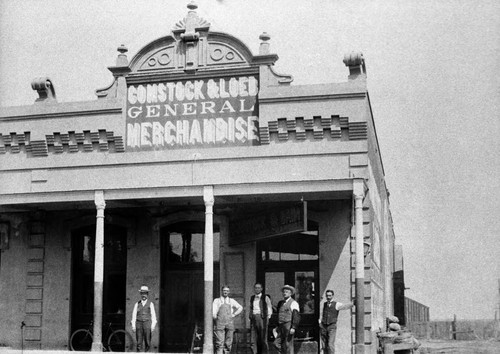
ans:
x=318 y=128
x=57 y=143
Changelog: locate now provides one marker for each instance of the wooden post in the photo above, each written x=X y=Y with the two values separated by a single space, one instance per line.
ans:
x=454 y=328
x=208 y=266
x=98 y=271
x=359 y=193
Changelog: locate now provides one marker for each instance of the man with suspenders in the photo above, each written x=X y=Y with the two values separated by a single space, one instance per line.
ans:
x=223 y=314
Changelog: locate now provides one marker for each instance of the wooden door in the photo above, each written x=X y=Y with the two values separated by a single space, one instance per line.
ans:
x=183 y=307
x=182 y=285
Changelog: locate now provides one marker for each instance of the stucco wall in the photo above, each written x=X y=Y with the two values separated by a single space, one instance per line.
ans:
x=244 y=272
x=334 y=264
x=57 y=285
x=143 y=268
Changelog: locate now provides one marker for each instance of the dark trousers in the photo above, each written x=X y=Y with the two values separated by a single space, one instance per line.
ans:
x=284 y=342
x=258 y=326
x=223 y=338
x=327 y=334
x=143 y=334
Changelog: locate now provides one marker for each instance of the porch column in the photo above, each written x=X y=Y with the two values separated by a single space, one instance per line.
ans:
x=359 y=193
x=208 y=266
x=98 y=271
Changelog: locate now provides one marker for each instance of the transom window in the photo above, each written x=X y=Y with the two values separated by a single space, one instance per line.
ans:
x=188 y=247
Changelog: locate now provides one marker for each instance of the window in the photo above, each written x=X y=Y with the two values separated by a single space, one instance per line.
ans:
x=304 y=291
x=187 y=248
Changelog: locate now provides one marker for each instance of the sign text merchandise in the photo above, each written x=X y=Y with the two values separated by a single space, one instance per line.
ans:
x=189 y=113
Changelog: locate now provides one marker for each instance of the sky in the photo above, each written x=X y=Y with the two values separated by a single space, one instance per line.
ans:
x=433 y=85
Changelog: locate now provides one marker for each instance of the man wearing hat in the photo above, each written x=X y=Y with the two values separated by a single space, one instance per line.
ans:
x=288 y=321
x=143 y=319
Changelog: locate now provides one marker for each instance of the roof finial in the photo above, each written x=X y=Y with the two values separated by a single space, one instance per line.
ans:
x=264 y=45
x=356 y=63
x=122 y=60
x=45 y=89
x=192 y=6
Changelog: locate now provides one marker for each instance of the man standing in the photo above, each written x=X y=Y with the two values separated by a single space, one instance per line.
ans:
x=222 y=311
x=328 y=322
x=288 y=321
x=261 y=310
x=143 y=319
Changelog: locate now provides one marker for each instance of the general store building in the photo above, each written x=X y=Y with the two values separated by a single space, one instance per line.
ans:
x=198 y=166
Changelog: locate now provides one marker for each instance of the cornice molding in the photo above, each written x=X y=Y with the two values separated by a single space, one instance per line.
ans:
x=92 y=112
x=312 y=97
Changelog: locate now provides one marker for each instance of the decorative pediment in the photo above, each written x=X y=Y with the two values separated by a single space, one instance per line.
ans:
x=208 y=52
x=191 y=47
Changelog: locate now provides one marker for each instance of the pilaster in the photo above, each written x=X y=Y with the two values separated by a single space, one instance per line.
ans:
x=32 y=324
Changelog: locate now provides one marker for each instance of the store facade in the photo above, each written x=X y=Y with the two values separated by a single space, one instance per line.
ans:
x=198 y=166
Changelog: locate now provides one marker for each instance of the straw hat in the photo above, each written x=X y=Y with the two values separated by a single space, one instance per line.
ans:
x=289 y=287
x=144 y=289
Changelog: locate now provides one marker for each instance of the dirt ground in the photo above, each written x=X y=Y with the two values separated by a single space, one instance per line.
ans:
x=460 y=347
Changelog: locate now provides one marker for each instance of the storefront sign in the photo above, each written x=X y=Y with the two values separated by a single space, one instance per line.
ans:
x=268 y=224
x=192 y=113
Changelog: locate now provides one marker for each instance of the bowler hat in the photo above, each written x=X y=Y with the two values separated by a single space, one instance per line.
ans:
x=289 y=287
x=144 y=289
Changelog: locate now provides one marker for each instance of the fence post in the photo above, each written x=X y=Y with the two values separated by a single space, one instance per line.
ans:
x=454 y=328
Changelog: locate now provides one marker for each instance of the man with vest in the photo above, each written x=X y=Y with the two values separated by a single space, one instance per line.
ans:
x=223 y=314
x=288 y=321
x=143 y=319
x=261 y=310
x=328 y=321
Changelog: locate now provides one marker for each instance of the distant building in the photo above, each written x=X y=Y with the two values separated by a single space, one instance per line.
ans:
x=405 y=309
x=415 y=311
x=198 y=166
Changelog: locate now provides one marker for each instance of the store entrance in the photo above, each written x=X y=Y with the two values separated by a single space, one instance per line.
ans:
x=292 y=260
x=182 y=285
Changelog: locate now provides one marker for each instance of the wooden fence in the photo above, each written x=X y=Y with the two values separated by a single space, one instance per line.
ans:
x=459 y=330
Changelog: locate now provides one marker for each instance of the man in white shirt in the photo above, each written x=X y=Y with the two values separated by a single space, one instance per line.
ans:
x=328 y=321
x=288 y=321
x=260 y=312
x=223 y=314
x=143 y=319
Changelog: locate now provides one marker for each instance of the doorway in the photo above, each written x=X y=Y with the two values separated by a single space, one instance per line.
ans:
x=292 y=260
x=114 y=282
x=182 y=283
